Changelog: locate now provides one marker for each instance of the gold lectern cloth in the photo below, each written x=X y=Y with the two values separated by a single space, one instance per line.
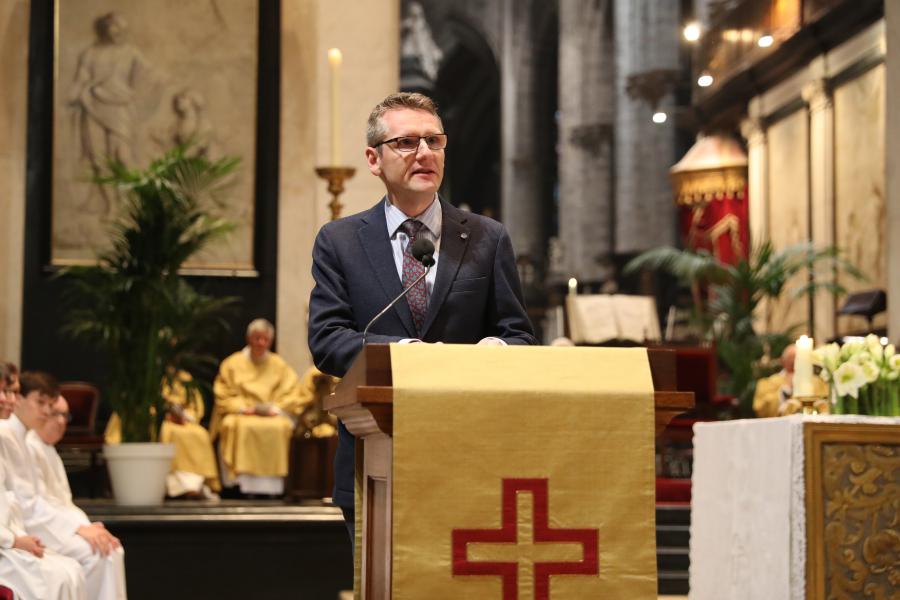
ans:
x=468 y=417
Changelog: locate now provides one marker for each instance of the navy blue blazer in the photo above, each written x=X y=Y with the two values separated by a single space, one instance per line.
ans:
x=476 y=294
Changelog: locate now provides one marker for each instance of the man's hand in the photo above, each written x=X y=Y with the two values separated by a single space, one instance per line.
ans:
x=29 y=543
x=490 y=341
x=99 y=538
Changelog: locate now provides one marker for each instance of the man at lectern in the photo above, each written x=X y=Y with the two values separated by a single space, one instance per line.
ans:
x=471 y=295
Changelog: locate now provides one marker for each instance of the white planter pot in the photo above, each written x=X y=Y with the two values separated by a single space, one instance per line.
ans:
x=138 y=472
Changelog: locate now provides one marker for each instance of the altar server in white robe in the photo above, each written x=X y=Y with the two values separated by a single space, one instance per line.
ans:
x=64 y=530
x=26 y=567
x=41 y=443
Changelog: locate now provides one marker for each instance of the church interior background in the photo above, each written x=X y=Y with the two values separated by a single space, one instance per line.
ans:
x=594 y=130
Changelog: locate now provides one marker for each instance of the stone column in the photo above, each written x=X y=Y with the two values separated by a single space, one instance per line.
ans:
x=753 y=130
x=586 y=112
x=646 y=34
x=817 y=94
x=892 y=165
x=520 y=202
x=13 y=109
x=370 y=43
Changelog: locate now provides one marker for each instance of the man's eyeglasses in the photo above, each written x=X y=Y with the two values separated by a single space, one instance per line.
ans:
x=67 y=416
x=410 y=143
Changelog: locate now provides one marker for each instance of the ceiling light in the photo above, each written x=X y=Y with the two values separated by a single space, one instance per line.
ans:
x=692 y=31
x=659 y=117
x=765 y=40
x=705 y=80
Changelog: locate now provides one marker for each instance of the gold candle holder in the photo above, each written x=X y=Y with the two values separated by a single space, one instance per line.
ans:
x=809 y=405
x=335 y=176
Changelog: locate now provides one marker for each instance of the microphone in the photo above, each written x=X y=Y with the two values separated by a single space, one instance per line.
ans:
x=423 y=251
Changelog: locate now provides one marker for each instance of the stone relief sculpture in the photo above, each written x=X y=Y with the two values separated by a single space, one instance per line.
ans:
x=416 y=41
x=134 y=79
x=105 y=100
x=191 y=125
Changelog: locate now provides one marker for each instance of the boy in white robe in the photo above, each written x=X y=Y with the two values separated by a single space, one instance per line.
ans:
x=64 y=530
x=41 y=443
x=26 y=567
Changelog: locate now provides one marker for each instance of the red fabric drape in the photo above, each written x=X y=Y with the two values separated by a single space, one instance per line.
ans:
x=719 y=226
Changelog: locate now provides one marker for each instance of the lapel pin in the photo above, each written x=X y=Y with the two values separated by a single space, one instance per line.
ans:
x=464 y=235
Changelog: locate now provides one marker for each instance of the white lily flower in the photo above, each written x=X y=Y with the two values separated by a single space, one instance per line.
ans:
x=852 y=348
x=831 y=356
x=848 y=379
x=894 y=362
x=870 y=370
x=873 y=345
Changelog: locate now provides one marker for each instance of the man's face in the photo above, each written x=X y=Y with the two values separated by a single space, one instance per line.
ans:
x=55 y=427
x=259 y=342
x=7 y=400
x=412 y=173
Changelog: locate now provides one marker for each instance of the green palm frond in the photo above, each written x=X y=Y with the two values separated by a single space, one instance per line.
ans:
x=133 y=305
x=734 y=293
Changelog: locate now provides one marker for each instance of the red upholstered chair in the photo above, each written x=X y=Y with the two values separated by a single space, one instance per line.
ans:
x=83 y=398
x=81 y=438
x=6 y=593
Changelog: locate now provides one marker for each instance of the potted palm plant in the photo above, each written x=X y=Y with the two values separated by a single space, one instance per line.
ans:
x=726 y=297
x=135 y=308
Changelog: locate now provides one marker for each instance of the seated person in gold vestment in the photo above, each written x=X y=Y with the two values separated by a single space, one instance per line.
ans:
x=194 y=465
x=773 y=392
x=258 y=399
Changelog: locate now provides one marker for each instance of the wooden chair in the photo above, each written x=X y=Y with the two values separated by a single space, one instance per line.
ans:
x=81 y=439
x=83 y=399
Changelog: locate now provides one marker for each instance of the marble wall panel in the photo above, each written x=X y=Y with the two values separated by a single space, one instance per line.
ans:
x=789 y=207
x=14 y=19
x=860 y=218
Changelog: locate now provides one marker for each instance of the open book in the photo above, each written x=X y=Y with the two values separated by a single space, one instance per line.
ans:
x=598 y=318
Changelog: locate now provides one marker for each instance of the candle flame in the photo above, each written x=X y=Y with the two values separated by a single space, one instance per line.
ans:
x=335 y=57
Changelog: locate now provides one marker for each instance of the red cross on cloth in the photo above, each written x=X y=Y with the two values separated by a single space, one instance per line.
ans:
x=543 y=534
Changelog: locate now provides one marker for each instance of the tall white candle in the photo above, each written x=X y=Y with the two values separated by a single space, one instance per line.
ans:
x=334 y=60
x=573 y=286
x=803 y=367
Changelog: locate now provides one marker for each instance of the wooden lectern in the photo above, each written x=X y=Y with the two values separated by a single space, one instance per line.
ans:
x=364 y=402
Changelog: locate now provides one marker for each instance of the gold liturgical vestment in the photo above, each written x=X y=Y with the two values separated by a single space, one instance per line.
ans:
x=768 y=397
x=193 y=448
x=252 y=444
x=522 y=472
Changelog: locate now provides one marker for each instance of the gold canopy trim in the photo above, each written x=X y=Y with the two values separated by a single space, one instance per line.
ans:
x=702 y=187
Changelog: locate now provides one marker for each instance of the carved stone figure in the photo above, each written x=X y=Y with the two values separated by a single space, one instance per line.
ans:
x=418 y=43
x=103 y=97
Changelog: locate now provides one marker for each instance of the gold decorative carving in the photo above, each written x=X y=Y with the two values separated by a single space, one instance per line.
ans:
x=853 y=511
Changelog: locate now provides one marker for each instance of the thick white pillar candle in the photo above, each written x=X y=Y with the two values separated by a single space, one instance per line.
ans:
x=334 y=60
x=803 y=367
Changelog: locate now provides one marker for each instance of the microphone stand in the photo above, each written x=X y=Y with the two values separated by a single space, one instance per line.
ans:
x=397 y=299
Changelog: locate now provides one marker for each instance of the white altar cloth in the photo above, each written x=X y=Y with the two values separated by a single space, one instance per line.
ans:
x=748 y=513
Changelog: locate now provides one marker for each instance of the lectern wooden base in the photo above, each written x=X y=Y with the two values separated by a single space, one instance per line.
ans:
x=363 y=401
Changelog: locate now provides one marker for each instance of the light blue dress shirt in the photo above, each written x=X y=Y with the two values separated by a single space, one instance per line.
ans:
x=432 y=219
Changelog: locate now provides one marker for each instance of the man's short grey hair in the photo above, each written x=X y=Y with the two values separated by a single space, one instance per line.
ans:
x=402 y=100
x=261 y=326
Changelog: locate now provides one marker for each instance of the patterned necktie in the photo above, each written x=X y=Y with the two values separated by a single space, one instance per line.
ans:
x=418 y=296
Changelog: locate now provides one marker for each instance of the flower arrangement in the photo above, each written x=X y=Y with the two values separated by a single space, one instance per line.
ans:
x=863 y=374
